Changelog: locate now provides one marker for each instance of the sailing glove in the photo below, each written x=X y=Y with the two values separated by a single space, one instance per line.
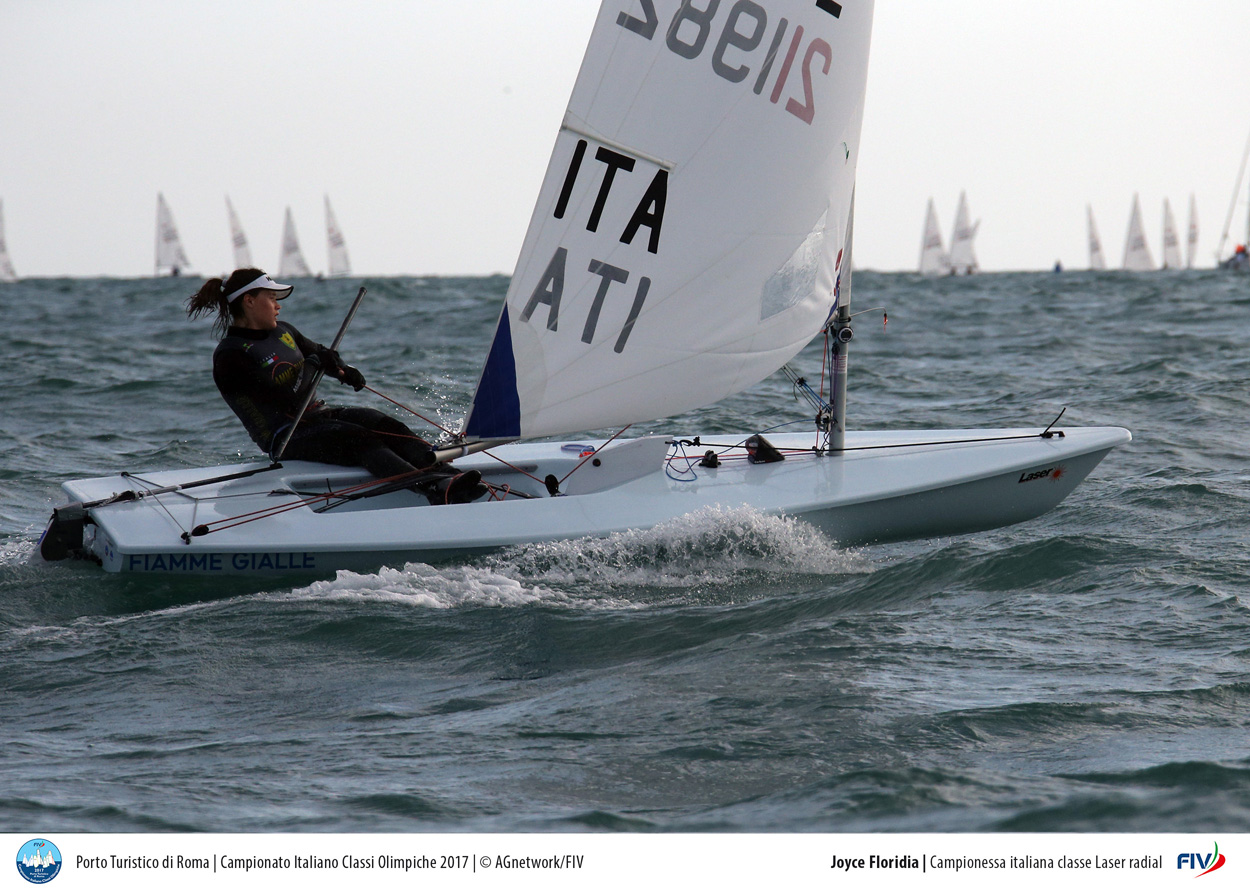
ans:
x=351 y=375
x=329 y=359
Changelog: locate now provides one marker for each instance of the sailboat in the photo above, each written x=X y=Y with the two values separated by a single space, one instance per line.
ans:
x=1239 y=259
x=1171 y=242
x=238 y=241
x=171 y=260
x=1136 y=252
x=933 y=258
x=1191 y=239
x=7 y=273
x=664 y=268
x=1096 y=260
x=292 y=262
x=963 y=259
x=336 y=249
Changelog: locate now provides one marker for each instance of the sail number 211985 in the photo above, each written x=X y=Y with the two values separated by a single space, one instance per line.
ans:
x=741 y=35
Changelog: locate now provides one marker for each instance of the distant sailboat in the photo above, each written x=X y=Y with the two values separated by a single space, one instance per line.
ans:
x=934 y=260
x=1239 y=259
x=1096 y=260
x=171 y=260
x=242 y=253
x=1192 y=240
x=7 y=273
x=336 y=248
x=292 y=263
x=963 y=260
x=1171 y=242
x=1136 y=252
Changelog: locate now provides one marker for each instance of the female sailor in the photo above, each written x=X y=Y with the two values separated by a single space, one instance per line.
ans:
x=264 y=369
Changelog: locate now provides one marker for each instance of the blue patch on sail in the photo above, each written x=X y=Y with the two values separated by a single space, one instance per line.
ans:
x=497 y=407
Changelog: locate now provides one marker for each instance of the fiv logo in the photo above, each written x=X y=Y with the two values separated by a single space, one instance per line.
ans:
x=1207 y=861
x=38 y=861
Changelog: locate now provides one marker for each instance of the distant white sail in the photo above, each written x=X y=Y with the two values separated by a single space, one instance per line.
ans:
x=1171 y=242
x=1136 y=252
x=242 y=253
x=933 y=258
x=292 y=263
x=1096 y=260
x=963 y=259
x=336 y=248
x=170 y=258
x=7 y=273
x=1192 y=241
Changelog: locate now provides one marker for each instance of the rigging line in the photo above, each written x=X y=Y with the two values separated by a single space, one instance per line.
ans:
x=518 y=469
x=592 y=455
x=182 y=530
x=428 y=421
x=270 y=511
x=894 y=446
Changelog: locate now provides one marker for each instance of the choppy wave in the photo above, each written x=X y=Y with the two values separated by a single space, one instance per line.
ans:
x=727 y=671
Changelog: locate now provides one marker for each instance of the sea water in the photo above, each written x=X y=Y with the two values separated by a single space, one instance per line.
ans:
x=728 y=671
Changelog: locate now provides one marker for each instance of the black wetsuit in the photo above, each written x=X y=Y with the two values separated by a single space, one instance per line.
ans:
x=263 y=376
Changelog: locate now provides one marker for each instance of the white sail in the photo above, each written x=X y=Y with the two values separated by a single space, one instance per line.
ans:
x=963 y=258
x=1191 y=241
x=7 y=273
x=292 y=263
x=1238 y=259
x=933 y=258
x=336 y=248
x=1171 y=241
x=1136 y=252
x=688 y=234
x=1096 y=260
x=238 y=241
x=170 y=258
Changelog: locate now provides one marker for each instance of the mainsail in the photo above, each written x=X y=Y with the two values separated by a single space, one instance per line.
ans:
x=170 y=258
x=933 y=258
x=1192 y=240
x=963 y=257
x=292 y=262
x=688 y=234
x=1096 y=260
x=1171 y=241
x=7 y=273
x=336 y=248
x=1136 y=252
x=238 y=241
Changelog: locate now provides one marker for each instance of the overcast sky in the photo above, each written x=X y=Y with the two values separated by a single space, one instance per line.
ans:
x=429 y=125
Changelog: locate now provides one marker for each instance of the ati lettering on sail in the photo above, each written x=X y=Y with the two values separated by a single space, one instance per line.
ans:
x=615 y=173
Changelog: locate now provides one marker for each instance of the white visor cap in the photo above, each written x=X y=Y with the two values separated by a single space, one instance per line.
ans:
x=261 y=281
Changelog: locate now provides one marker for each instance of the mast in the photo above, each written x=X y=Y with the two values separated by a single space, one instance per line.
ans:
x=842 y=334
x=1232 y=206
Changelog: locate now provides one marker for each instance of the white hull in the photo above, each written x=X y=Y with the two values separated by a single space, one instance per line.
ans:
x=888 y=485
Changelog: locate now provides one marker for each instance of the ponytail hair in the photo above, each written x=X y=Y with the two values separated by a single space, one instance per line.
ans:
x=211 y=299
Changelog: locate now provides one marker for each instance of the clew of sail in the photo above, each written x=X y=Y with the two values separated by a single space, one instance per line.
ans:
x=170 y=258
x=338 y=263
x=7 y=273
x=292 y=261
x=687 y=237
x=238 y=241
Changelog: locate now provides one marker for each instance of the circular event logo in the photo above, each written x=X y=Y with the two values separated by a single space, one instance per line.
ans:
x=39 y=861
